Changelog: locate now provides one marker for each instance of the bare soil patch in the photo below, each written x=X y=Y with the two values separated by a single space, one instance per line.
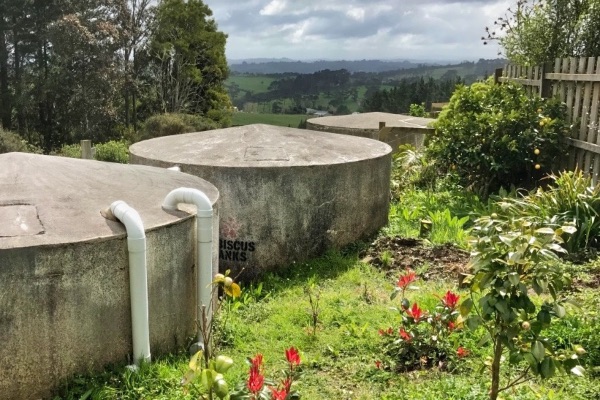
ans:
x=445 y=261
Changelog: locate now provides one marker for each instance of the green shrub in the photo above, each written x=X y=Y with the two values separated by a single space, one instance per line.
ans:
x=175 y=124
x=495 y=135
x=513 y=263
x=417 y=110
x=572 y=200
x=113 y=151
x=10 y=141
x=69 y=150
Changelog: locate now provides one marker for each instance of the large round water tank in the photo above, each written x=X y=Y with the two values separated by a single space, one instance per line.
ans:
x=393 y=129
x=64 y=270
x=286 y=194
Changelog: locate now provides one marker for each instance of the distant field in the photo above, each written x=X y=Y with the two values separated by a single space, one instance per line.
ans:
x=255 y=84
x=244 y=118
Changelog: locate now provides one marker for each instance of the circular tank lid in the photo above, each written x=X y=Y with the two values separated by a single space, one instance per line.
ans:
x=260 y=145
x=46 y=200
x=372 y=120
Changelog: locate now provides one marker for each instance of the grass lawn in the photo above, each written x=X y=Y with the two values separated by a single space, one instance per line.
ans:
x=351 y=300
x=291 y=120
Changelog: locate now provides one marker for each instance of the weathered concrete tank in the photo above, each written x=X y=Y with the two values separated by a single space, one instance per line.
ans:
x=286 y=194
x=393 y=129
x=64 y=271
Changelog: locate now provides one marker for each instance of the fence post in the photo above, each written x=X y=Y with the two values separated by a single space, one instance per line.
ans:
x=86 y=149
x=498 y=75
x=545 y=84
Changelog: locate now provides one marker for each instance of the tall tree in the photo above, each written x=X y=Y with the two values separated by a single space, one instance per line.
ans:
x=188 y=57
x=538 y=31
x=86 y=77
x=135 y=22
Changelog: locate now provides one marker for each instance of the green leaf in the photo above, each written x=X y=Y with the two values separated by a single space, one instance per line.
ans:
x=195 y=361
x=503 y=308
x=513 y=278
x=188 y=377
x=466 y=307
x=544 y=317
x=545 y=231
x=538 y=350
x=473 y=322
x=559 y=311
x=569 y=229
x=548 y=368
x=207 y=377
x=507 y=240
x=484 y=340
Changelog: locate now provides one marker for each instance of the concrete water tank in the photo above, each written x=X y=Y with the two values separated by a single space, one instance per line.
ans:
x=64 y=273
x=286 y=194
x=393 y=129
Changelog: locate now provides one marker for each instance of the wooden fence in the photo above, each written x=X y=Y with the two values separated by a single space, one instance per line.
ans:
x=576 y=82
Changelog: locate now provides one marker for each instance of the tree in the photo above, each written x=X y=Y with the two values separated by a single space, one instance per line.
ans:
x=85 y=79
x=188 y=59
x=538 y=31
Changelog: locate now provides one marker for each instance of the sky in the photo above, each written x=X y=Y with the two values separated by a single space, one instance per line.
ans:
x=357 y=29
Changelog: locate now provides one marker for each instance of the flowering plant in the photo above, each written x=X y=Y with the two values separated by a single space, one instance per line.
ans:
x=258 y=387
x=421 y=340
x=204 y=367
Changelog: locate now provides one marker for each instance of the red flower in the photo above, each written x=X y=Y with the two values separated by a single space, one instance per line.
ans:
x=255 y=380
x=378 y=364
x=406 y=279
x=450 y=300
x=462 y=352
x=292 y=356
x=451 y=326
x=278 y=394
x=256 y=362
x=404 y=335
x=415 y=312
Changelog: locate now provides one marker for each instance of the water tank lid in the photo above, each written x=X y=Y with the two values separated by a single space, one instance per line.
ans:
x=259 y=145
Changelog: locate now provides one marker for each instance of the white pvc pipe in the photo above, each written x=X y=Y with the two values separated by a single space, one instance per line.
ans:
x=138 y=279
x=204 y=232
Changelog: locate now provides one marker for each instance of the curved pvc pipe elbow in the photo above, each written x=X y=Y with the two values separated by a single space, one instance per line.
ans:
x=189 y=196
x=138 y=279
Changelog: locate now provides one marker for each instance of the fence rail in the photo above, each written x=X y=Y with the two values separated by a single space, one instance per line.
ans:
x=576 y=82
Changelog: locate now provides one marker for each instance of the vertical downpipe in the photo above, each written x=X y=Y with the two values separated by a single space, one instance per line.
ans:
x=204 y=231
x=138 y=279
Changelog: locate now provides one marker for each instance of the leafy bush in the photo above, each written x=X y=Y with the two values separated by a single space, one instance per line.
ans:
x=69 y=150
x=422 y=339
x=495 y=135
x=571 y=201
x=513 y=261
x=113 y=151
x=446 y=228
x=417 y=110
x=10 y=141
x=175 y=124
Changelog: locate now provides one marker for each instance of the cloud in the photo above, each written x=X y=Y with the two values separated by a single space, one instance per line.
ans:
x=357 y=29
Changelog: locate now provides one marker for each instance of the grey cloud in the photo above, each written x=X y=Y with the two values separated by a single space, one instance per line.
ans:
x=316 y=27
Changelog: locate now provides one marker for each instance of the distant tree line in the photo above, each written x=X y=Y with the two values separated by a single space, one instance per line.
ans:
x=410 y=91
x=72 y=69
x=342 y=91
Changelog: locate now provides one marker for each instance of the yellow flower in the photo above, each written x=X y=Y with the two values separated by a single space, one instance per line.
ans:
x=536 y=152
x=537 y=166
